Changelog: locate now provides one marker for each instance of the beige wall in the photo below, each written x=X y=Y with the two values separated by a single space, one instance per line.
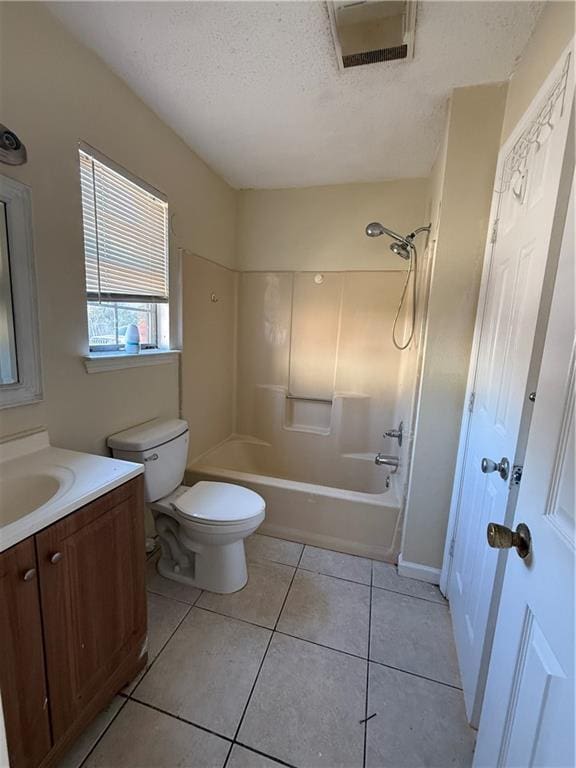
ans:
x=208 y=363
x=553 y=32
x=461 y=192
x=323 y=227
x=54 y=92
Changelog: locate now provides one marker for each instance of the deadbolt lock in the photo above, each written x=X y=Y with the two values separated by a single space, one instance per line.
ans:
x=502 y=467
x=501 y=537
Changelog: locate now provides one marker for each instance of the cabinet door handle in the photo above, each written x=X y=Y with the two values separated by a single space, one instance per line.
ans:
x=29 y=574
x=56 y=557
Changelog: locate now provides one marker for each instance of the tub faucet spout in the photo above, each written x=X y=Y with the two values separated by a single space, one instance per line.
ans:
x=388 y=461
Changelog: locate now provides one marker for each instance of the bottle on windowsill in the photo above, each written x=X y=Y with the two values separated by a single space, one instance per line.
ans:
x=132 y=340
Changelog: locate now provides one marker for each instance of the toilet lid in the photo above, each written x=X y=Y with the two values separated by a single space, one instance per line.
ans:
x=219 y=503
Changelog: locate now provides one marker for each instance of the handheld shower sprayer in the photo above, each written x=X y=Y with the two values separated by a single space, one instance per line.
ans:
x=404 y=247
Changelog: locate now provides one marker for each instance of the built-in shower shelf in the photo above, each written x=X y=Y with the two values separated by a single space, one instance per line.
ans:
x=307 y=429
x=309 y=399
x=308 y=414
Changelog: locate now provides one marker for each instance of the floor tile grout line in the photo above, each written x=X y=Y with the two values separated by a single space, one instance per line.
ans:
x=276 y=538
x=155 y=659
x=151 y=591
x=230 y=748
x=368 y=665
x=264 y=754
x=415 y=674
x=321 y=645
x=104 y=732
x=442 y=602
x=248 y=700
x=184 y=720
x=265 y=560
x=232 y=618
x=332 y=576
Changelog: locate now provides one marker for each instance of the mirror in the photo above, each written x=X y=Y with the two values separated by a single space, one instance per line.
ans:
x=20 y=381
x=8 y=361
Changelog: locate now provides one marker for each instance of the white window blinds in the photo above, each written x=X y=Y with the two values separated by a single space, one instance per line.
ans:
x=125 y=236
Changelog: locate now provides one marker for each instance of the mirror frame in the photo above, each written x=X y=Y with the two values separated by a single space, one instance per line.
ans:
x=28 y=389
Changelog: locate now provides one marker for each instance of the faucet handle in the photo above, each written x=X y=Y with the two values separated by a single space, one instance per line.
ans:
x=395 y=434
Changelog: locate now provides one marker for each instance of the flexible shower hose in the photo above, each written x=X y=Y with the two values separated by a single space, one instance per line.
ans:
x=413 y=268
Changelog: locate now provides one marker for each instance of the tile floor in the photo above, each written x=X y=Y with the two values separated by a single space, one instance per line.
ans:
x=322 y=660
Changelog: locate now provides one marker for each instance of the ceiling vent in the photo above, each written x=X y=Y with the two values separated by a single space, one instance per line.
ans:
x=371 y=31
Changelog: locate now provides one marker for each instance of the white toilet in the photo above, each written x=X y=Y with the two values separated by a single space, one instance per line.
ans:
x=202 y=528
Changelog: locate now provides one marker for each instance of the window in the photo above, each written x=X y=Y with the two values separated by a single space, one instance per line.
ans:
x=126 y=256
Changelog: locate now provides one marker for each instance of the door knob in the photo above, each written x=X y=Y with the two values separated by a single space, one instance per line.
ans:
x=501 y=537
x=56 y=557
x=502 y=467
x=29 y=574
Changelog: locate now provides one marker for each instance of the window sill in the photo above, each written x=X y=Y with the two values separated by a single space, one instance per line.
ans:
x=99 y=362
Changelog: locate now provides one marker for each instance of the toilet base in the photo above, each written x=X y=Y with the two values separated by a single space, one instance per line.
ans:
x=220 y=569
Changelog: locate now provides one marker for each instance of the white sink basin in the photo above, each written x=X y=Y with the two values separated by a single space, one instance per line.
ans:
x=40 y=484
x=23 y=493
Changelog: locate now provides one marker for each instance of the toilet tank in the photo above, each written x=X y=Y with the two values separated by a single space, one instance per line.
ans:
x=162 y=447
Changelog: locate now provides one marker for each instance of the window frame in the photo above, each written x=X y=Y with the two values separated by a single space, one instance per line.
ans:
x=160 y=308
x=153 y=310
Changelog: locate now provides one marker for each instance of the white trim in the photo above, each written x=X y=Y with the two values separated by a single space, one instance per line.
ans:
x=418 y=571
x=28 y=388
x=100 y=362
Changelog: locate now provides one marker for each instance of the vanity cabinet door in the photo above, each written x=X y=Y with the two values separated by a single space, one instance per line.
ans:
x=22 y=673
x=92 y=567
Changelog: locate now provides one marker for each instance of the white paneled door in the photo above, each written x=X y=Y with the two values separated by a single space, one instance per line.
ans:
x=528 y=712
x=525 y=199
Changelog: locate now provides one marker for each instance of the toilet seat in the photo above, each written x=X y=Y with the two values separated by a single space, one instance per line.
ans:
x=214 y=503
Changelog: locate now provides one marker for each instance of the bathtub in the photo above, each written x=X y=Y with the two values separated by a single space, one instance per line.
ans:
x=348 y=504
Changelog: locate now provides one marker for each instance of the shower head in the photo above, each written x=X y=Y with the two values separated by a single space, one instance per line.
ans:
x=402 y=246
x=400 y=249
x=375 y=229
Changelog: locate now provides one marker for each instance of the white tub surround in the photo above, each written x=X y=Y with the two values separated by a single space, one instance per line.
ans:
x=40 y=484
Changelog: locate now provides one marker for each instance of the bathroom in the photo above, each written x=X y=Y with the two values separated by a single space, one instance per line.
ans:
x=284 y=350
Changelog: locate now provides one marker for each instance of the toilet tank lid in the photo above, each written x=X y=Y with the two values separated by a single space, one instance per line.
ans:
x=149 y=435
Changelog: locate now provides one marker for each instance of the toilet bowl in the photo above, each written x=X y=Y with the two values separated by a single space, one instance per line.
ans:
x=202 y=531
x=202 y=528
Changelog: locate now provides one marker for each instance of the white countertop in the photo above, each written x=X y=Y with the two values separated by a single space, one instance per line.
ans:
x=31 y=470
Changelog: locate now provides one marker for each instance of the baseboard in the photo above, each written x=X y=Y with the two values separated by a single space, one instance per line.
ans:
x=418 y=571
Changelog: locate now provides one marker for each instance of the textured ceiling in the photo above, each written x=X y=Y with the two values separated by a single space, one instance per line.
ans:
x=254 y=87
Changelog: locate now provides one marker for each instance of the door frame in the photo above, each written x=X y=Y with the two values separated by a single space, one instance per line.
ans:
x=555 y=76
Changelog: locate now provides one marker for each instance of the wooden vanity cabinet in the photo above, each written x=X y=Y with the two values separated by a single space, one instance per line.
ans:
x=22 y=671
x=86 y=622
